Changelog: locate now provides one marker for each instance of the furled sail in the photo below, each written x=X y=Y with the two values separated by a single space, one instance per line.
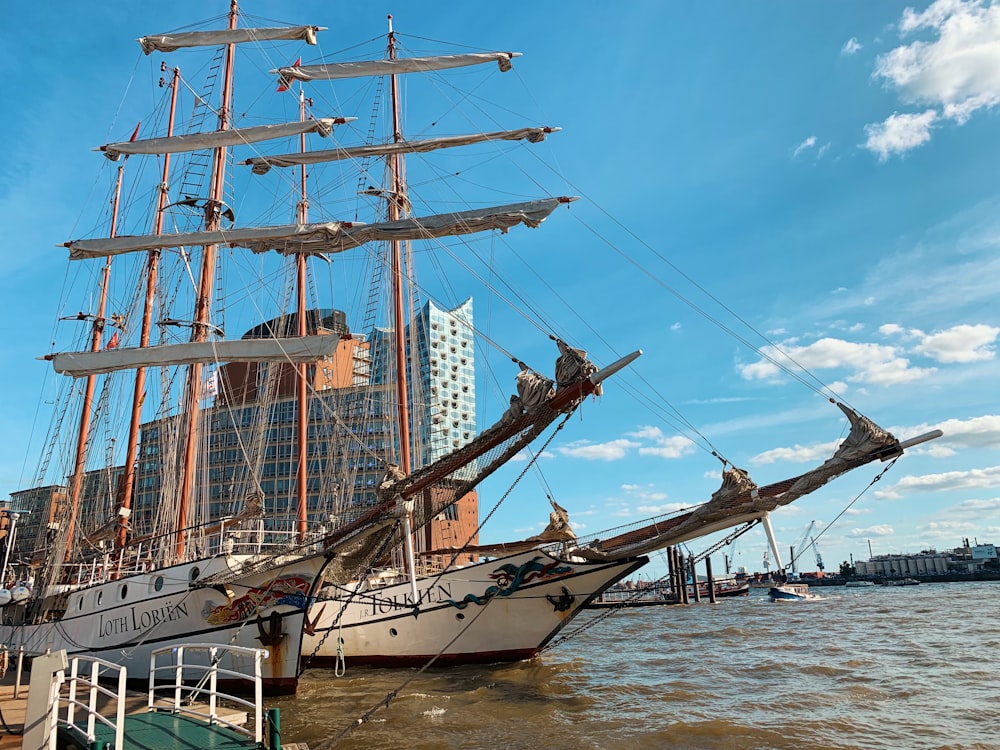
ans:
x=333 y=71
x=740 y=500
x=261 y=164
x=530 y=214
x=298 y=350
x=329 y=237
x=217 y=38
x=219 y=138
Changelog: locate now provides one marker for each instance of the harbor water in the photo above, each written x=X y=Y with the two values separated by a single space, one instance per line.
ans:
x=876 y=668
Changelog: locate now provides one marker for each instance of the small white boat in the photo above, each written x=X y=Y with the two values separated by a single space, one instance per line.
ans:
x=859 y=584
x=791 y=592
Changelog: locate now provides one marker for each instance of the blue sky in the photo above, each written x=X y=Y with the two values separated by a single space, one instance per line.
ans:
x=825 y=171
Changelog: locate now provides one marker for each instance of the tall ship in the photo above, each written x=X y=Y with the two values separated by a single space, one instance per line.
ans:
x=203 y=487
x=268 y=429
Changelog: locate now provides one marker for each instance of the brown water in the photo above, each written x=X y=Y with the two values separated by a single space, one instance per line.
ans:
x=905 y=667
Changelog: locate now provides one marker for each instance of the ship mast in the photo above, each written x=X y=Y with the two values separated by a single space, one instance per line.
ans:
x=152 y=270
x=302 y=211
x=398 y=204
x=97 y=333
x=200 y=325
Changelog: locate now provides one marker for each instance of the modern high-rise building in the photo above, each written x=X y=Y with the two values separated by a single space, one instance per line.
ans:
x=442 y=378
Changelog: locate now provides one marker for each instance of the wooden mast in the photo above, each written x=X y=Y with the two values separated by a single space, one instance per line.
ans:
x=398 y=204
x=152 y=270
x=202 y=311
x=96 y=335
x=302 y=211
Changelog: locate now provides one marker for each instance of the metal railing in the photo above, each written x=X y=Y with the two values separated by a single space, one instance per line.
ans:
x=185 y=681
x=78 y=682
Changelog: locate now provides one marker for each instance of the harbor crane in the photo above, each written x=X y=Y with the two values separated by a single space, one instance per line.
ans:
x=819 y=557
x=797 y=550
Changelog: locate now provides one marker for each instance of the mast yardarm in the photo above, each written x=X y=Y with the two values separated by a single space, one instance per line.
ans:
x=300 y=349
x=219 y=37
x=334 y=71
x=219 y=138
x=331 y=237
x=261 y=164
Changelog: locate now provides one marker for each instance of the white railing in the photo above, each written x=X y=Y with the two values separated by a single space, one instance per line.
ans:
x=75 y=698
x=184 y=681
x=79 y=682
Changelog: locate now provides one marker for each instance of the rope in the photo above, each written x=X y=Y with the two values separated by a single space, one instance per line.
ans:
x=846 y=508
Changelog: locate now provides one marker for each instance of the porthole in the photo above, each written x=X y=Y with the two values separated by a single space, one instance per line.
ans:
x=123 y=591
x=158 y=583
x=195 y=572
x=460 y=616
x=393 y=632
x=79 y=603
x=100 y=598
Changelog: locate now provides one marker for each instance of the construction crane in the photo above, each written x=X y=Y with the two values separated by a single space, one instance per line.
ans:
x=800 y=547
x=819 y=557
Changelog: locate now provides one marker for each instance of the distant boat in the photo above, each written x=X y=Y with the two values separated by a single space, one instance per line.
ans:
x=901 y=582
x=791 y=592
x=859 y=584
x=726 y=589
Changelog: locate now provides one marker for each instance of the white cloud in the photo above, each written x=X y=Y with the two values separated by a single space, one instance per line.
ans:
x=960 y=69
x=977 y=510
x=899 y=133
x=655 y=443
x=797 y=453
x=977 y=432
x=857 y=511
x=806 y=144
x=947 y=481
x=646 y=432
x=868 y=363
x=610 y=451
x=890 y=329
x=879 y=530
x=837 y=386
x=669 y=447
x=644 y=492
x=851 y=46
x=956 y=71
x=962 y=343
x=810 y=143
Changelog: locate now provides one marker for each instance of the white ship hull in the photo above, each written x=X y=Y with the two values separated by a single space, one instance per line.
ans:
x=124 y=620
x=506 y=609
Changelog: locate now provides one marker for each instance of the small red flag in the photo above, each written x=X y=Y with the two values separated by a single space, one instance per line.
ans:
x=135 y=133
x=285 y=82
x=113 y=343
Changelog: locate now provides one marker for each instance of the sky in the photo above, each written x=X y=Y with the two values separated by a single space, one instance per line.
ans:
x=784 y=182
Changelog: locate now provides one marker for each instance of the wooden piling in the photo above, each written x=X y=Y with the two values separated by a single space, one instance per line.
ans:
x=711 y=580
x=682 y=577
